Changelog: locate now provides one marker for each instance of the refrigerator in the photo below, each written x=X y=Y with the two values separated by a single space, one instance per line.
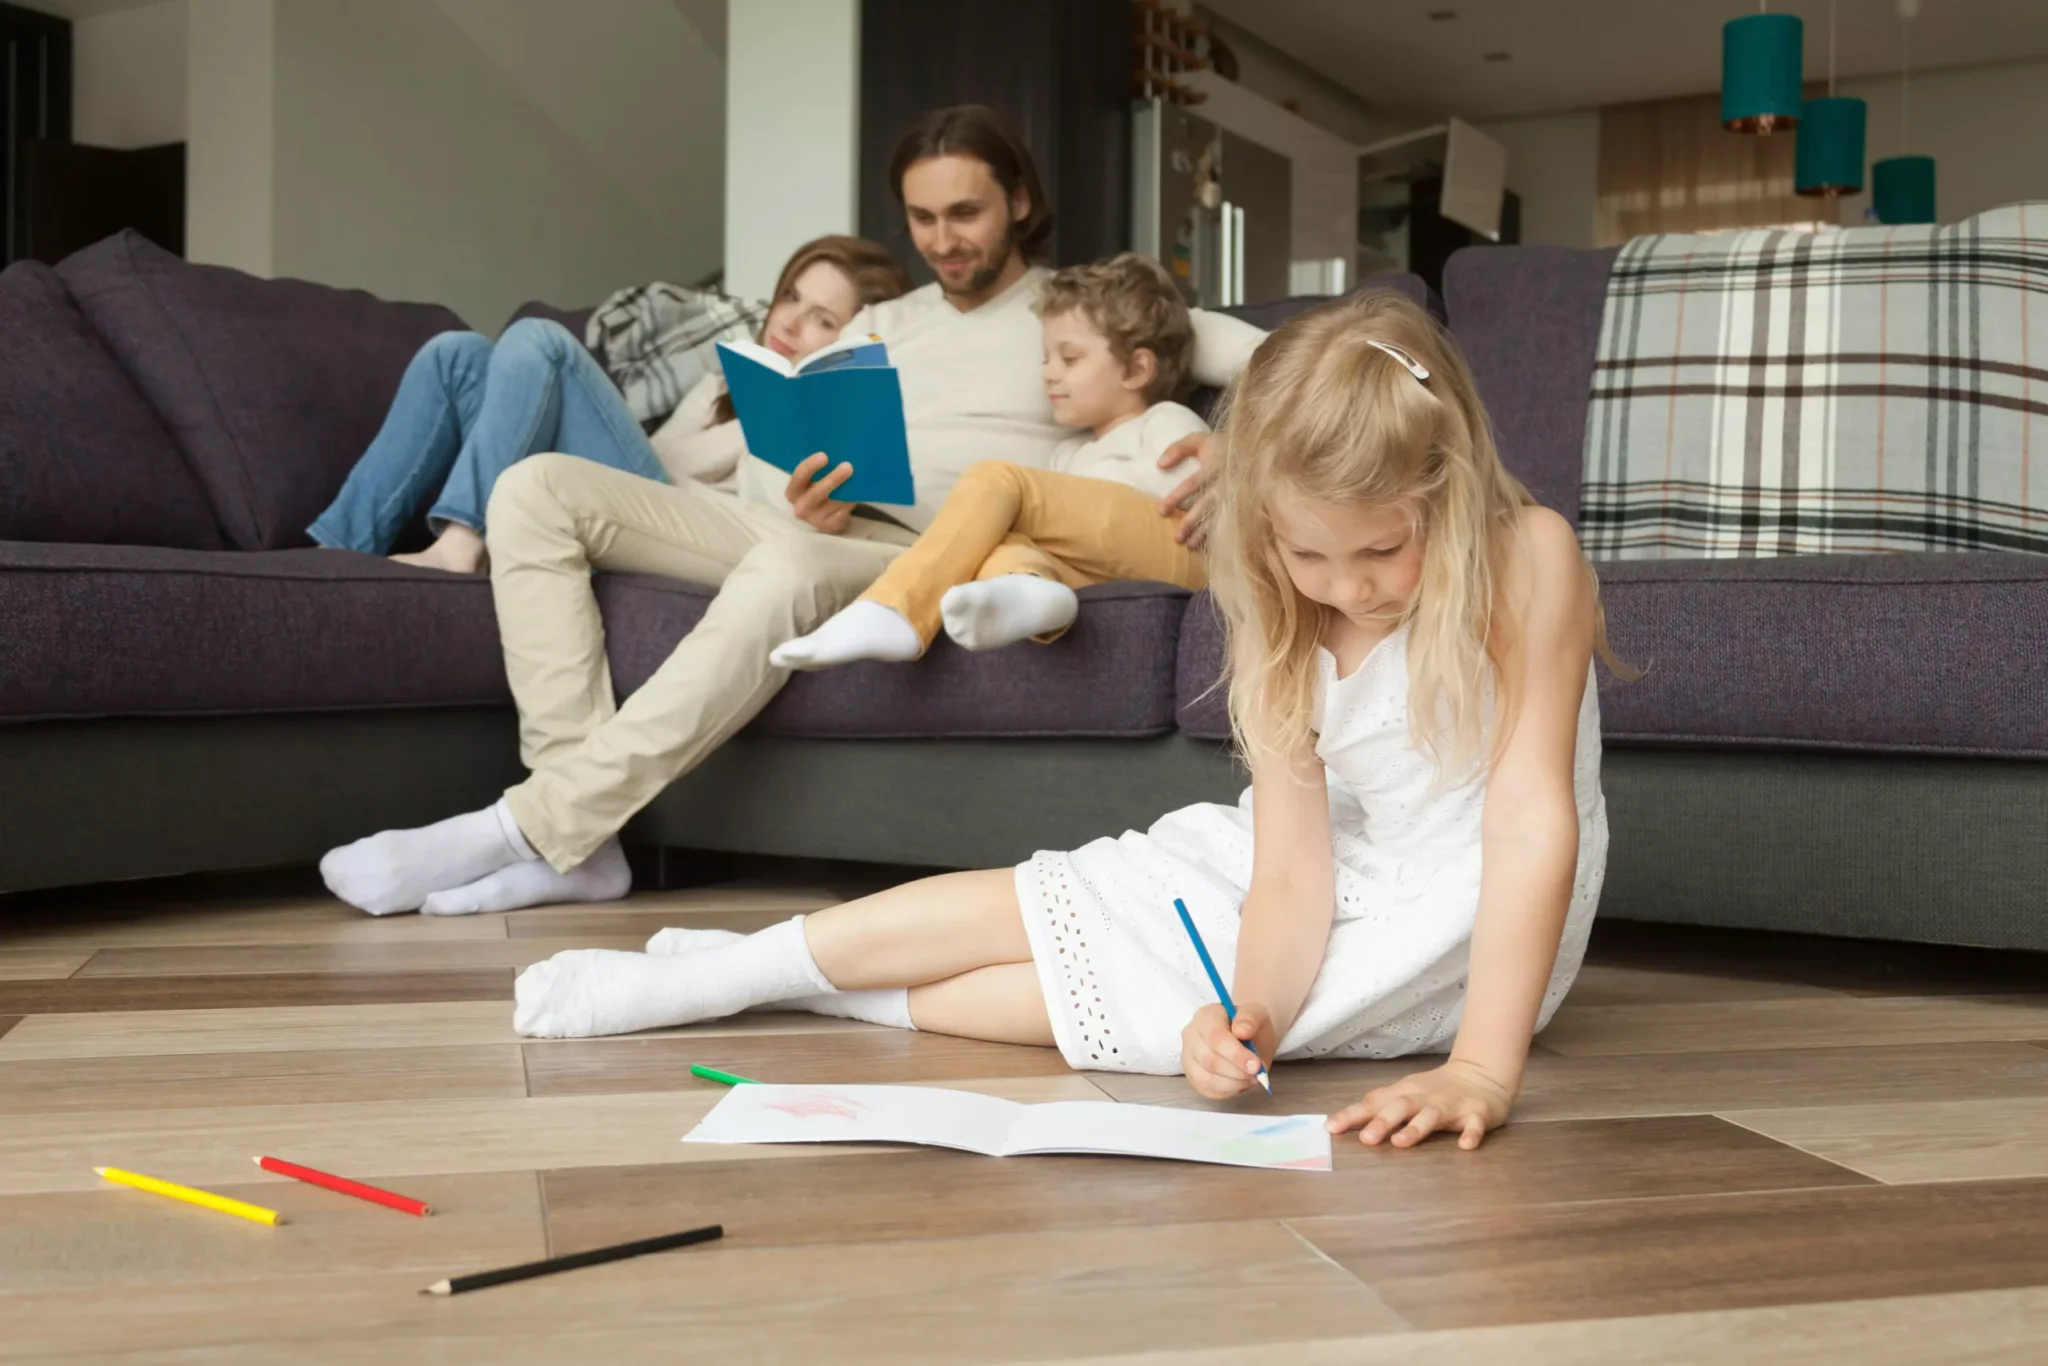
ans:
x=1214 y=208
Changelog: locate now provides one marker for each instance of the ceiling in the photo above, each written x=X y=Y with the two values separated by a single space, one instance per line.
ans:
x=1574 y=54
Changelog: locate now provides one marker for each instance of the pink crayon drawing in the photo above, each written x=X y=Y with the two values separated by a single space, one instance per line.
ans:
x=818 y=1105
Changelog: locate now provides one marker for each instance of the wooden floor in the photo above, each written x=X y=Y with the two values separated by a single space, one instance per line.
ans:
x=1730 y=1148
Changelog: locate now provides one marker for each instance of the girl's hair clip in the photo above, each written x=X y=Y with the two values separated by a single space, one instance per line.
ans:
x=1408 y=362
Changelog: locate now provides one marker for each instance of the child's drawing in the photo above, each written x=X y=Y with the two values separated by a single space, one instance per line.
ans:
x=806 y=1104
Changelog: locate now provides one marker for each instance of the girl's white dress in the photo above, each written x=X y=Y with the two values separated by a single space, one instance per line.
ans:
x=1121 y=978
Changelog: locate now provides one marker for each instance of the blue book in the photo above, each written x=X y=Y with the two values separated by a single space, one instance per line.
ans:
x=845 y=400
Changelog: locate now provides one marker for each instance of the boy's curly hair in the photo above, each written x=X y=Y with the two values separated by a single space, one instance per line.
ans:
x=1131 y=301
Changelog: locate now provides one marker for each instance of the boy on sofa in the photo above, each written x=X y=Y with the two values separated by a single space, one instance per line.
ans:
x=1001 y=560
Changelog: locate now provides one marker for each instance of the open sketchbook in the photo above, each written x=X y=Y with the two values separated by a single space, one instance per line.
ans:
x=1003 y=1128
x=844 y=400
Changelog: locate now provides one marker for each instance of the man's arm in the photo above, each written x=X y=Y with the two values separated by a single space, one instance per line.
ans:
x=1223 y=346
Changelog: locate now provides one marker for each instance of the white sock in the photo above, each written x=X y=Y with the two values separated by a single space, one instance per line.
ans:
x=1006 y=609
x=399 y=869
x=882 y=1006
x=583 y=992
x=668 y=943
x=865 y=630
x=604 y=876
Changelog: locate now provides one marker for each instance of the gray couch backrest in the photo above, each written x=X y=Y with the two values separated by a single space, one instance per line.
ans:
x=1528 y=320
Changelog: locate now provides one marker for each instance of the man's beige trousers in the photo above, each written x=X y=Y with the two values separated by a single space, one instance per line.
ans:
x=552 y=520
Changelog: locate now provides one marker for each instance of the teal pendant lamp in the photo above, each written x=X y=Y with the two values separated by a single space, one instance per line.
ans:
x=1760 y=73
x=1902 y=189
x=1830 y=154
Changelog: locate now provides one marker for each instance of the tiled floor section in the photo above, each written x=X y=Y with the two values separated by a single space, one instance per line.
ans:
x=1730 y=1147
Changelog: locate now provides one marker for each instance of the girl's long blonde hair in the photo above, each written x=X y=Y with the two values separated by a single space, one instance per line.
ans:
x=1325 y=413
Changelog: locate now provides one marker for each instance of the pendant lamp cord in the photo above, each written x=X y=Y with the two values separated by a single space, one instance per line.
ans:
x=1829 y=48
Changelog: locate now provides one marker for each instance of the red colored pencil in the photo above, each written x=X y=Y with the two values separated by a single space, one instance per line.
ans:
x=342 y=1184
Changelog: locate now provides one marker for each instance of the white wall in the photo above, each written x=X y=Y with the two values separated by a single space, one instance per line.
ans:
x=1554 y=167
x=230 y=153
x=1983 y=126
x=128 y=77
x=792 y=128
x=475 y=153
x=480 y=153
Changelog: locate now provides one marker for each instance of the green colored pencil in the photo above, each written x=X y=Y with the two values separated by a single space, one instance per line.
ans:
x=726 y=1078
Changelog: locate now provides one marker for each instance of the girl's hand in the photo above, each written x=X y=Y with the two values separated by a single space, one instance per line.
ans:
x=813 y=502
x=1456 y=1096
x=1213 y=1052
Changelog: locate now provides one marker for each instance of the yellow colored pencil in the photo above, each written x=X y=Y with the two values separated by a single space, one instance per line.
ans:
x=205 y=1199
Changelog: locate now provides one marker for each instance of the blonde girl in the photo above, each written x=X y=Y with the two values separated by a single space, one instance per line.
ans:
x=1416 y=866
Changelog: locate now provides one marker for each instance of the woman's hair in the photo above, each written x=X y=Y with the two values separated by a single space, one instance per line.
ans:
x=876 y=276
x=1323 y=412
x=978 y=131
x=1132 y=302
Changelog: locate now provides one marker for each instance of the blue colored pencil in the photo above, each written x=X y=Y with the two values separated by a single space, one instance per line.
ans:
x=1216 y=980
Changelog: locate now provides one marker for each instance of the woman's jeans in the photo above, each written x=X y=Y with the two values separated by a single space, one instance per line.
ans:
x=466 y=411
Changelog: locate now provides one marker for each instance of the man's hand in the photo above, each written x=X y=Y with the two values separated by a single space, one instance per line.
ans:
x=813 y=502
x=1194 y=501
x=1213 y=1054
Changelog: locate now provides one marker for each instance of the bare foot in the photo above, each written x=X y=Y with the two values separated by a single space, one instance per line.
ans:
x=457 y=550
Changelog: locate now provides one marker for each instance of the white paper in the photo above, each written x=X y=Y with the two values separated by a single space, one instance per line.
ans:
x=1002 y=1128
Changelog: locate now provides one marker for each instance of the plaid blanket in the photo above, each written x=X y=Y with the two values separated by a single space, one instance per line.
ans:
x=657 y=341
x=1838 y=392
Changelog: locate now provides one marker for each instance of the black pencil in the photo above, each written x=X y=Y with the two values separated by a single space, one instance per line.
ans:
x=595 y=1257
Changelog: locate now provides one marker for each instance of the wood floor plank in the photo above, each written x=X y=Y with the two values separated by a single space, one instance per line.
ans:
x=611 y=1066
x=1473 y=1266
x=327 y=922
x=933 y=1193
x=1815 y=1022
x=56 y=1152
x=1953 y=1141
x=1040 y=1296
x=207 y=1080
x=454 y=955
x=630 y=920
x=1561 y=1087
x=82 y=995
x=8 y=1022
x=1611 y=984
x=114 y=1237
x=290 y=1028
x=1988 y=1327
x=22 y=965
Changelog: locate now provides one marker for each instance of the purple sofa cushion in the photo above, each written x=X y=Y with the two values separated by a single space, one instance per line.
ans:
x=134 y=631
x=1112 y=675
x=1200 y=704
x=1933 y=653
x=1938 y=654
x=271 y=388
x=82 y=457
x=1528 y=320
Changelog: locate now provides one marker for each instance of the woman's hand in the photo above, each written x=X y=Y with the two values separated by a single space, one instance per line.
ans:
x=1194 y=498
x=1213 y=1052
x=813 y=502
x=1455 y=1097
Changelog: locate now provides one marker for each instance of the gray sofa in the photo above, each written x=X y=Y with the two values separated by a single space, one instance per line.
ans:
x=1850 y=746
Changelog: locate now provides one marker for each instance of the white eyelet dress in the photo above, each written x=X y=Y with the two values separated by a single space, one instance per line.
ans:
x=1121 y=979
